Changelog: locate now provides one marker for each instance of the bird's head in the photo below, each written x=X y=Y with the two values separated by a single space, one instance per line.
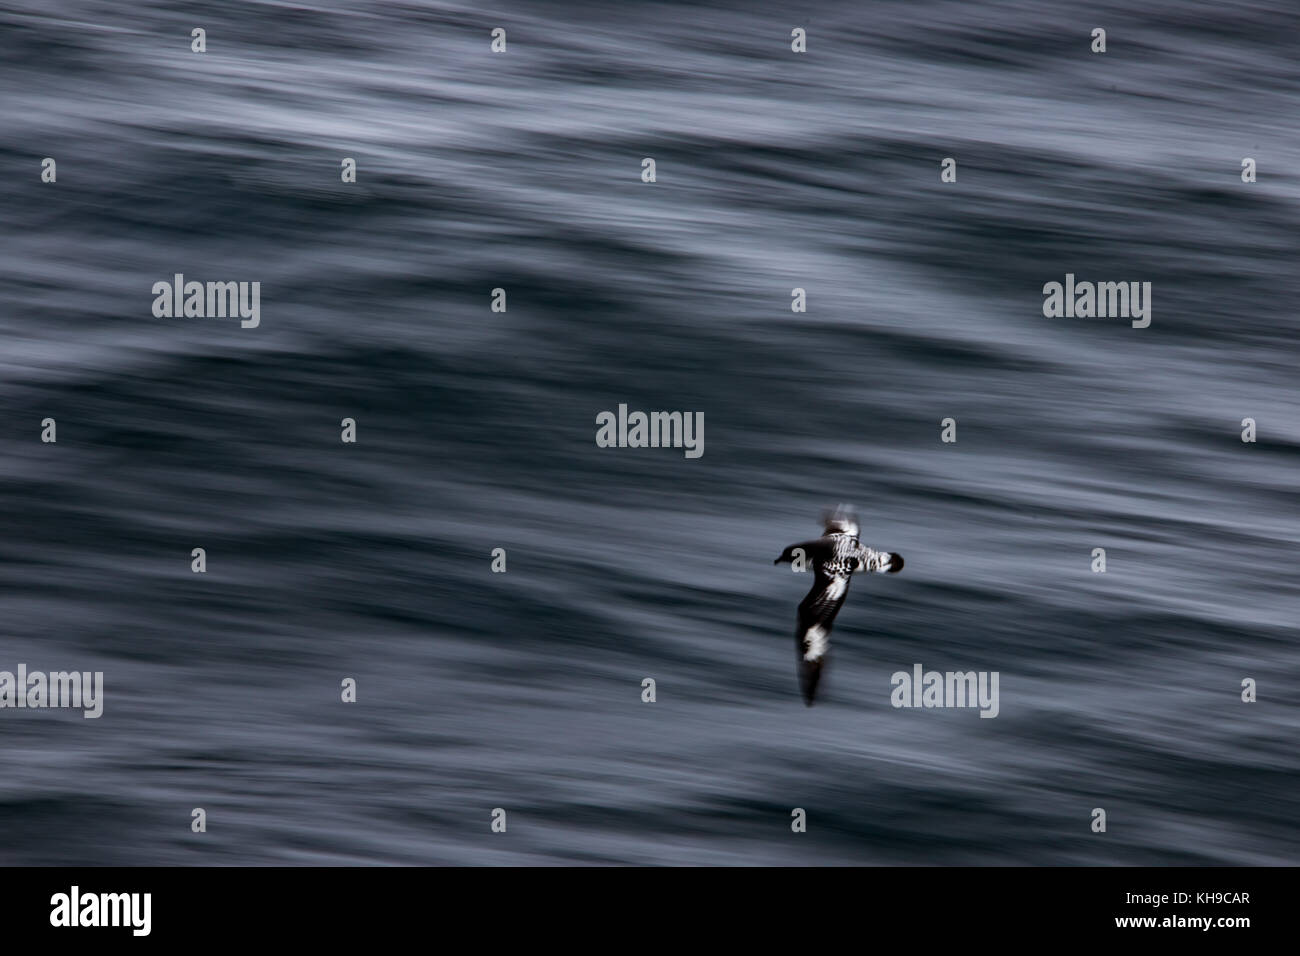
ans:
x=840 y=521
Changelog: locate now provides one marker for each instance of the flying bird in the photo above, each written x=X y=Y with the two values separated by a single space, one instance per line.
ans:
x=833 y=558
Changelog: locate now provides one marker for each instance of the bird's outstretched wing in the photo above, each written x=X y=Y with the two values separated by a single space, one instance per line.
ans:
x=812 y=638
x=882 y=562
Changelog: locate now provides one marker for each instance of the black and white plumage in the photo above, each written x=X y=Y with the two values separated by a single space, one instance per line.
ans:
x=832 y=558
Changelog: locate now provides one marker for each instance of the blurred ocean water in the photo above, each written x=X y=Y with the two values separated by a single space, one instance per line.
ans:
x=476 y=429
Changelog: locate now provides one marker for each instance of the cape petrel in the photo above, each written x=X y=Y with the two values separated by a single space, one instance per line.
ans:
x=833 y=559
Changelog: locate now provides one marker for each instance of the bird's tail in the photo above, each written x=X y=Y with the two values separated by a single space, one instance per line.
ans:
x=810 y=674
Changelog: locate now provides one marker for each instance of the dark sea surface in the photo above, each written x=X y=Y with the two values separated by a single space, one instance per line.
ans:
x=476 y=429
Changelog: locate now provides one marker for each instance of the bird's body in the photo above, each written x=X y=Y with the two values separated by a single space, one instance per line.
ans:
x=833 y=558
